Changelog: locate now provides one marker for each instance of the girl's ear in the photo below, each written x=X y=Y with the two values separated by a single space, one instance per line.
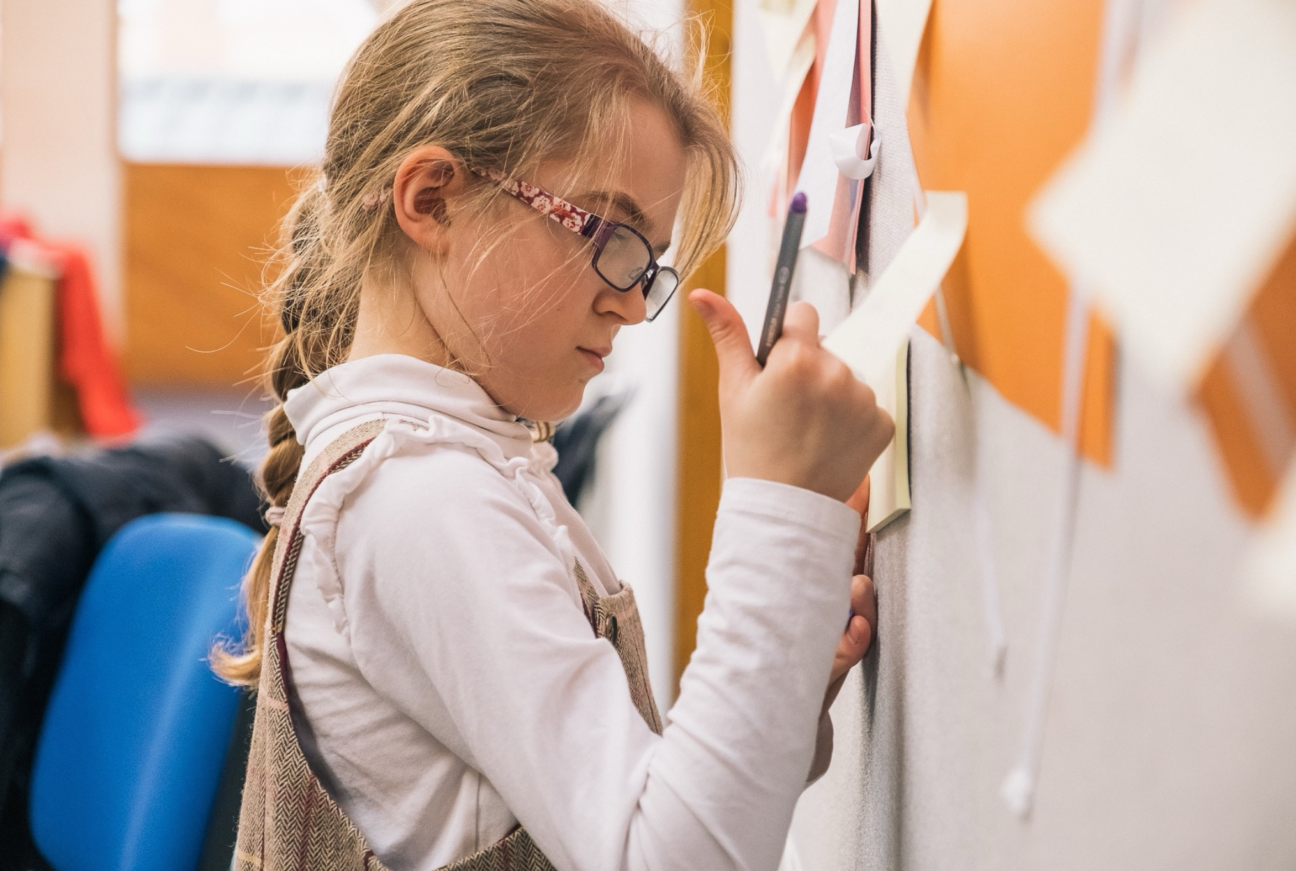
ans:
x=429 y=184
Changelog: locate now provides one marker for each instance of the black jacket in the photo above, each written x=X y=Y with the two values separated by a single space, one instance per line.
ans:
x=56 y=513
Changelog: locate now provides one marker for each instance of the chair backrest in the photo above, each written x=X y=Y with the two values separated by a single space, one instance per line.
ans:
x=130 y=752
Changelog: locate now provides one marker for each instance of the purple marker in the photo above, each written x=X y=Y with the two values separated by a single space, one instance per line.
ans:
x=782 y=286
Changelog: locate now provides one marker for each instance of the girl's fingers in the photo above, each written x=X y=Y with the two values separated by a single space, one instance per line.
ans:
x=802 y=322
x=864 y=598
x=858 y=636
x=852 y=646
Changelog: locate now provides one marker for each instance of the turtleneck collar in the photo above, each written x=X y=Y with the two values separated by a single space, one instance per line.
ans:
x=396 y=384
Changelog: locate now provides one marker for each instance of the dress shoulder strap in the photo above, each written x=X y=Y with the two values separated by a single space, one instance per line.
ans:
x=288 y=821
x=341 y=453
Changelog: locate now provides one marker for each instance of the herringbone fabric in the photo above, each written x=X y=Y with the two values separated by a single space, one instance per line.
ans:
x=616 y=618
x=288 y=821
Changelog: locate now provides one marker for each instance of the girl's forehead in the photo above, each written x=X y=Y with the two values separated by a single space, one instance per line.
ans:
x=640 y=178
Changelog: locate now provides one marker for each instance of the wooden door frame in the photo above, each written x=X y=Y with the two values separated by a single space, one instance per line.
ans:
x=698 y=465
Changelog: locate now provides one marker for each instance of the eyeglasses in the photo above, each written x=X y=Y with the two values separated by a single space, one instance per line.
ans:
x=622 y=256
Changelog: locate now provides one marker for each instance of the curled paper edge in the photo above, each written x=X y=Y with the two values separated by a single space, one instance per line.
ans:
x=847 y=147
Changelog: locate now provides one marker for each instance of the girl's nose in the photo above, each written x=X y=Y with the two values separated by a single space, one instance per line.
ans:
x=629 y=305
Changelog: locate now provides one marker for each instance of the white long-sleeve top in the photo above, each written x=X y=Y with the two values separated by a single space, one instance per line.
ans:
x=450 y=684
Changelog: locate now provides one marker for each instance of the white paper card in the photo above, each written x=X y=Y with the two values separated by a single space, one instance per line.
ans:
x=1174 y=209
x=783 y=23
x=874 y=339
x=902 y=23
x=799 y=67
x=870 y=338
x=889 y=477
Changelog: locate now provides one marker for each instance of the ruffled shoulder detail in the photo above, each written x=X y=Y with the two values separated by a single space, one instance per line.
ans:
x=543 y=457
x=319 y=519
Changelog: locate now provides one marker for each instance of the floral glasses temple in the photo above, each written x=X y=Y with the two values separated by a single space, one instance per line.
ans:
x=622 y=256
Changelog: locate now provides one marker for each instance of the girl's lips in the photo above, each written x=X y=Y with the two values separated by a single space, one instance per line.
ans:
x=594 y=357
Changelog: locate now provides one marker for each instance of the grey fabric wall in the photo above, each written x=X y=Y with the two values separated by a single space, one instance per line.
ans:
x=1170 y=738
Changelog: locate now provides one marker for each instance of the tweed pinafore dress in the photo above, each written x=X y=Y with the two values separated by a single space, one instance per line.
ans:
x=288 y=821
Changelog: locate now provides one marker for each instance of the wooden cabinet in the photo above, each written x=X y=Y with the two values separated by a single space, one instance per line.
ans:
x=196 y=239
x=33 y=398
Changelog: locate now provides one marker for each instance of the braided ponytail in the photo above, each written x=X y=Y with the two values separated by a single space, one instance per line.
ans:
x=291 y=365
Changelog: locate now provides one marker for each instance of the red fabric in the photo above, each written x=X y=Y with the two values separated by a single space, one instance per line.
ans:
x=86 y=360
x=14 y=227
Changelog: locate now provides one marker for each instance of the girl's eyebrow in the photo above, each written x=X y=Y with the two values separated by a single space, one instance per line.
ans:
x=623 y=201
x=633 y=214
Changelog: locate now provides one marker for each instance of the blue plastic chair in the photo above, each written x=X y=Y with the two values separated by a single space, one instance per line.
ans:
x=137 y=728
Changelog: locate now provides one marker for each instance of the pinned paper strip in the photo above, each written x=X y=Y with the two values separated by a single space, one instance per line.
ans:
x=903 y=23
x=790 y=48
x=988 y=572
x=774 y=161
x=1018 y=788
x=832 y=95
x=818 y=177
x=855 y=150
x=1261 y=395
x=1271 y=566
x=1249 y=393
x=870 y=338
x=1173 y=240
x=1119 y=45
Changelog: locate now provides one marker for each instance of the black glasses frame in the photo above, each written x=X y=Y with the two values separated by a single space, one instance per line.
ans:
x=596 y=228
x=602 y=232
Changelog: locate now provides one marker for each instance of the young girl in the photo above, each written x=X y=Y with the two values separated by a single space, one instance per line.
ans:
x=467 y=684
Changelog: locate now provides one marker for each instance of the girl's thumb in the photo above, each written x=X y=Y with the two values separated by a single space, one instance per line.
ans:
x=728 y=334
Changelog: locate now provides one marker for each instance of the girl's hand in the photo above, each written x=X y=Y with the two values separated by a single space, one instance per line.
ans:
x=861 y=629
x=804 y=419
x=857 y=638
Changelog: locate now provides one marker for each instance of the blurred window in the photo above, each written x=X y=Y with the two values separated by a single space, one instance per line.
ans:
x=232 y=81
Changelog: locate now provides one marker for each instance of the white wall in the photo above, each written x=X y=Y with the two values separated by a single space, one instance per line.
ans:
x=752 y=245
x=58 y=103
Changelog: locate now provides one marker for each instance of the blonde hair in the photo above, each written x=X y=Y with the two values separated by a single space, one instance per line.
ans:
x=502 y=85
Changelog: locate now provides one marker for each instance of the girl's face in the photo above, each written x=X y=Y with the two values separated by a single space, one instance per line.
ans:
x=510 y=297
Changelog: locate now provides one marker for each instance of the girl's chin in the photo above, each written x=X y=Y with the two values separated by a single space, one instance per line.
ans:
x=559 y=407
